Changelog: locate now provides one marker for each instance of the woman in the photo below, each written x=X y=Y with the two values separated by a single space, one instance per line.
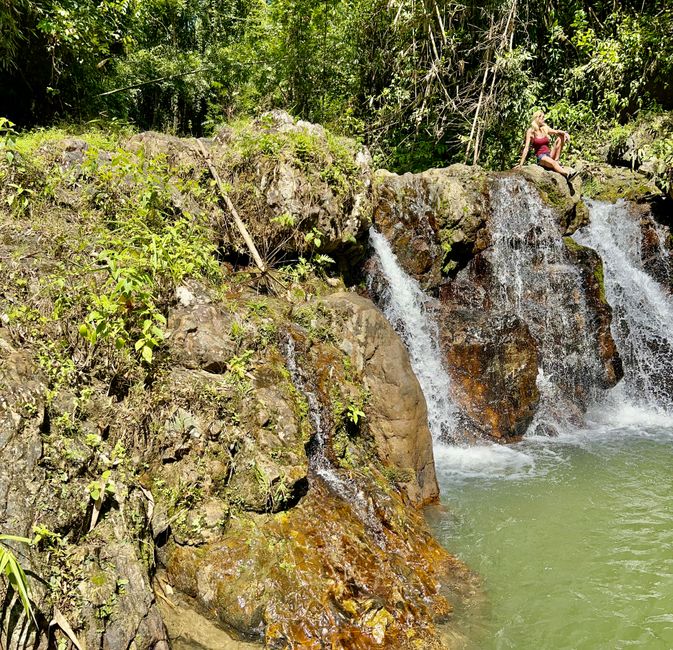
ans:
x=538 y=137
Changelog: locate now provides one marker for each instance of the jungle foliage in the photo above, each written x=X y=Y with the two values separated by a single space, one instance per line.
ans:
x=422 y=82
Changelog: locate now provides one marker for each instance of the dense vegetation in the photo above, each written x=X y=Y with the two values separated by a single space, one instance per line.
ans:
x=420 y=82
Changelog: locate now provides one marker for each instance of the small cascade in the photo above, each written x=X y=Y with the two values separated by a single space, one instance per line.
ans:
x=319 y=463
x=642 y=323
x=409 y=311
x=534 y=278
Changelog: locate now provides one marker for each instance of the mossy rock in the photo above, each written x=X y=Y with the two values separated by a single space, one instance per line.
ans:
x=607 y=183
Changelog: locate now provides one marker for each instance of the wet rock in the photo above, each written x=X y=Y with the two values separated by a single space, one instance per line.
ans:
x=190 y=630
x=656 y=249
x=491 y=355
x=493 y=361
x=591 y=266
x=564 y=197
x=396 y=407
x=314 y=577
x=435 y=220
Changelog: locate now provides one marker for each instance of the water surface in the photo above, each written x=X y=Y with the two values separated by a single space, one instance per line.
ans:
x=573 y=536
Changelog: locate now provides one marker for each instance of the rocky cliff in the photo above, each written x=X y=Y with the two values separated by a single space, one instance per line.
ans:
x=210 y=454
x=186 y=438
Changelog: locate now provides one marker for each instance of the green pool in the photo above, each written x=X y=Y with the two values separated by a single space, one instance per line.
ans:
x=573 y=536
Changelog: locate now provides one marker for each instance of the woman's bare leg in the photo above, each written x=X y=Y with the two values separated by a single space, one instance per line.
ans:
x=550 y=163
x=558 y=147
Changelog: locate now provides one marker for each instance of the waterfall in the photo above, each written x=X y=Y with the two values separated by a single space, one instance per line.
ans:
x=642 y=323
x=534 y=277
x=319 y=463
x=409 y=311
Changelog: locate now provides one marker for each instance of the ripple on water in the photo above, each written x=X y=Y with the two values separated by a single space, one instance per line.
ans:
x=573 y=535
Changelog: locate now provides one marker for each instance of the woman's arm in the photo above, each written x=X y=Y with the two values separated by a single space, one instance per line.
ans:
x=526 y=146
x=565 y=134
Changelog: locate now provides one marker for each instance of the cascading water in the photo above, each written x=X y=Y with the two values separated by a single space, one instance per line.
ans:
x=642 y=322
x=536 y=280
x=572 y=536
x=319 y=464
x=409 y=311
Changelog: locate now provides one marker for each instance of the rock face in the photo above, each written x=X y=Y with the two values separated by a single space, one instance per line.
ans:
x=435 y=220
x=263 y=513
x=299 y=188
x=495 y=308
x=493 y=362
x=117 y=607
x=399 y=419
x=173 y=428
x=591 y=267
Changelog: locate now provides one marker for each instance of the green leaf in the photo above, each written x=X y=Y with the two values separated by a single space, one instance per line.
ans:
x=15 y=538
x=147 y=354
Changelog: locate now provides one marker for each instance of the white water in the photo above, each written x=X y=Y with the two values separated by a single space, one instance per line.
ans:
x=531 y=264
x=409 y=311
x=642 y=323
x=538 y=282
x=642 y=327
x=572 y=534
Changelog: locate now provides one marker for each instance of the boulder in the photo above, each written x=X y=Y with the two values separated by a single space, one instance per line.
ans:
x=493 y=361
x=396 y=409
x=199 y=336
x=563 y=196
x=435 y=221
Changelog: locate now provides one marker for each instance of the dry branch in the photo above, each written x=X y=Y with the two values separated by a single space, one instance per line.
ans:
x=237 y=219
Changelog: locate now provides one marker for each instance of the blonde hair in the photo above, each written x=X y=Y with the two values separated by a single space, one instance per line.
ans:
x=534 y=124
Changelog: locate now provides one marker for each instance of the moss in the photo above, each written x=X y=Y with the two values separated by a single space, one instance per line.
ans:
x=572 y=245
x=599 y=274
